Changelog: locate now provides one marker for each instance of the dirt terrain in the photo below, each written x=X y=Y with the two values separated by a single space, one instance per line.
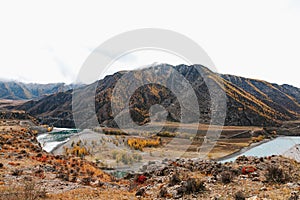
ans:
x=28 y=172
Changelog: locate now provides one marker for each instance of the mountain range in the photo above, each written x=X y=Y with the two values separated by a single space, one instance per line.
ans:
x=250 y=102
x=13 y=90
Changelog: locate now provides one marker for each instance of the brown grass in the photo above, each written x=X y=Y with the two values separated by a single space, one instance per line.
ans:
x=93 y=194
x=28 y=190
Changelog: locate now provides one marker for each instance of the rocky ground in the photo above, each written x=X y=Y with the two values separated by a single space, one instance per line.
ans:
x=293 y=153
x=28 y=172
x=247 y=178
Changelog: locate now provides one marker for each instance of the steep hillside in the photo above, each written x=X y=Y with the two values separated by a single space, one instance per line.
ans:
x=53 y=110
x=284 y=98
x=249 y=102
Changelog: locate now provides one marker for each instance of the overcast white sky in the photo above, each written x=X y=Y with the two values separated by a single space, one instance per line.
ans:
x=49 y=41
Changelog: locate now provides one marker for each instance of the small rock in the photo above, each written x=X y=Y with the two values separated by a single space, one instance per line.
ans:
x=294 y=196
x=292 y=185
x=263 y=189
x=243 y=176
x=174 y=180
x=28 y=178
x=239 y=196
x=254 y=174
x=256 y=179
x=163 y=193
x=253 y=198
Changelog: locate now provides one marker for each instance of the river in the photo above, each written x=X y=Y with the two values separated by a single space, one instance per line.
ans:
x=278 y=146
x=56 y=137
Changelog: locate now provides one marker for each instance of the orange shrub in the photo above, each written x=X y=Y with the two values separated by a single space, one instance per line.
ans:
x=140 y=143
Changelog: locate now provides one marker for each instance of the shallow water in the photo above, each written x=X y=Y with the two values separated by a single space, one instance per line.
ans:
x=277 y=146
x=54 y=138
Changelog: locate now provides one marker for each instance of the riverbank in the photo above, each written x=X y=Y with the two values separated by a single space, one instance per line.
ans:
x=243 y=150
x=293 y=153
x=284 y=145
x=58 y=136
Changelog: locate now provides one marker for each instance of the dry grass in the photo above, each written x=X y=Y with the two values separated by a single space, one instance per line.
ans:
x=93 y=194
x=110 y=131
x=28 y=190
x=166 y=134
x=125 y=157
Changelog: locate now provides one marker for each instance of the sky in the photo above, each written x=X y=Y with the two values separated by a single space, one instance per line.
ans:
x=48 y=41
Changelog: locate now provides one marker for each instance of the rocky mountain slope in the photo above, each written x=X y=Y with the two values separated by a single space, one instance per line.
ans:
x=21 y=91
x=249 y=101
x=283 y=97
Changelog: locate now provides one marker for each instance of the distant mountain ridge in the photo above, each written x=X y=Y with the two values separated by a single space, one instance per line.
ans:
x=250 y=102
x=22 y=91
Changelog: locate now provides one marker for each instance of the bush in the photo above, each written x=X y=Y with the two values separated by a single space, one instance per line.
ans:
x=109 y=131
x=248 y=170
x=163 y=193
x=77 y=149
x=239 y=196
x=16 y=172
x=226 y=177
x=86 y=180
x=174 y=180
x=276 y=175
x=166 y=134
x=258 y=139
x=192 y=186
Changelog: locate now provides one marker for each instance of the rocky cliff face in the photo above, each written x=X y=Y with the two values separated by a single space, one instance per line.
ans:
x=249 y=102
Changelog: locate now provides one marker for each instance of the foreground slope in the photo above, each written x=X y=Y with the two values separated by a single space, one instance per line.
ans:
x=28 y=172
